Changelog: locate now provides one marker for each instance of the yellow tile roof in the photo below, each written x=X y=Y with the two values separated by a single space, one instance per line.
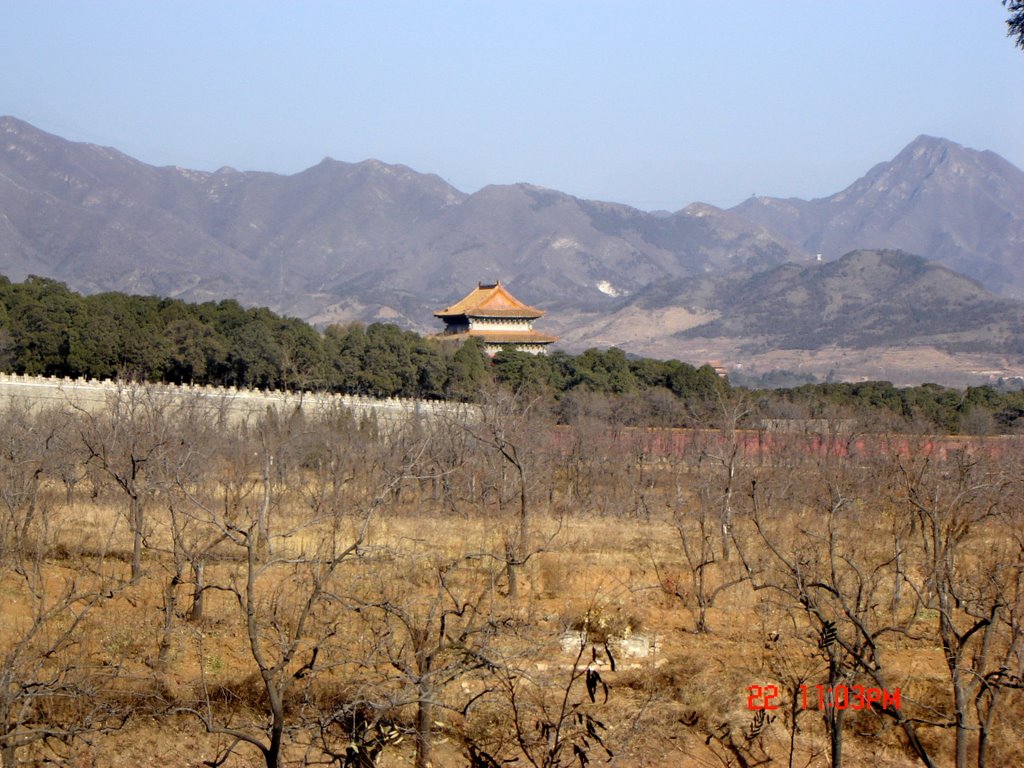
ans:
x=489 y=300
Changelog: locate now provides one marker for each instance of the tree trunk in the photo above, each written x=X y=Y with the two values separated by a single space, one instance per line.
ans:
x=518 y=548
x=834 y=716
x=985 y=722
x=275 y=697
x=794 y=715
x=195 y=614
x=263 y=514
x=510 y=570
x=963 y=729
x=170 y=609
x=897 y=586
x=524 y=516
x=138 y=522
x=983 y=748
x=9 y=756
x=953 y=649
x=424 y=723
x=30 y=512
x=727 y=502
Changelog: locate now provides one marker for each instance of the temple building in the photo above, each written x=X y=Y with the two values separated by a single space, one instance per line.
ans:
x=497 y=318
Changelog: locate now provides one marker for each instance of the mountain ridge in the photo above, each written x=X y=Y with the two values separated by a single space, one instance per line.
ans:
x=865 y=298
x=958 y=206
x=371 y=241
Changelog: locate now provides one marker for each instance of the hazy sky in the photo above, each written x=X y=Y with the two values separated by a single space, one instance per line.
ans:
x=654 y=104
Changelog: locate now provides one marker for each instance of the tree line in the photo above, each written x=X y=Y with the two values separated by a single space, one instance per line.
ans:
x=47 y=329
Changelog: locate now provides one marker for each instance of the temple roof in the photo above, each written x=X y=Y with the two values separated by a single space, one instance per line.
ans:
x=489 y=300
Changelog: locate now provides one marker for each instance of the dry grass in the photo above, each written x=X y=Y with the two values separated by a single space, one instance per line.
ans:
x=614 y=576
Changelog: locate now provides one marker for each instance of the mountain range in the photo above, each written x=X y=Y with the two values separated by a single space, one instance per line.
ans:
x=765 y=284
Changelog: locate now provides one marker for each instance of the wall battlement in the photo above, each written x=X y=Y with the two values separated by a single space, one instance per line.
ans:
x=237 y=405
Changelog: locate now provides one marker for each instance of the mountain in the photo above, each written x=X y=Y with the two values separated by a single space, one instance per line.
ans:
x=864 y=299
x=371 y=241
x=338 y=240
x=958 y=206
x=882 y=314
x=100 y=220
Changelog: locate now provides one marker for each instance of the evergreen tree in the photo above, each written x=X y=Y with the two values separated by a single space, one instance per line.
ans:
x=467 y=371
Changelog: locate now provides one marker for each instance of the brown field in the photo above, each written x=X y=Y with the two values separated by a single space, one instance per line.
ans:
x=487 y=594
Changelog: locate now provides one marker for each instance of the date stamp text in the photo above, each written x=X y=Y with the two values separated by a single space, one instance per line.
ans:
x=767 y=697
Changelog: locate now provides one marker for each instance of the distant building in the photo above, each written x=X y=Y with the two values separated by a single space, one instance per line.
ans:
x=497 y=318
x=720 y=369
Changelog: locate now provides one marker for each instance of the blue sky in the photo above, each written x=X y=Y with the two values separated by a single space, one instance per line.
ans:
x=654 y=104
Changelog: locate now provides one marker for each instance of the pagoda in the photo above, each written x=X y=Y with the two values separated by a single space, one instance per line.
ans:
x=496 y=317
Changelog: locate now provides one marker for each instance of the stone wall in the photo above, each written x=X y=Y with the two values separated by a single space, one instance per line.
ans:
x=236 y=405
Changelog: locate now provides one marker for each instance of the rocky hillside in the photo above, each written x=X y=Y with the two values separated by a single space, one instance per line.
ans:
x=864 y=299
x=337 y=240
x=960 y=207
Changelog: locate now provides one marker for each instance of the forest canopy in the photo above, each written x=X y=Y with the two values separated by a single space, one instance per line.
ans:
x=48 y=330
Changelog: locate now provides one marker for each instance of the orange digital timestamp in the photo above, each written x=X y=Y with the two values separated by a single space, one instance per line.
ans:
x=825 y=697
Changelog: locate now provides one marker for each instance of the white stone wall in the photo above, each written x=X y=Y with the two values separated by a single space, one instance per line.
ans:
x=236 y=405
x=514 y=324
x=533 y=349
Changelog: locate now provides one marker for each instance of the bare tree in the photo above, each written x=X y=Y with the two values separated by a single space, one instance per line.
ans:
x=967 y=517
x=513 y=428
x=29 y=443
x=194 y=438
x=554 y=722
x=697 y=515
x=432 y=620
x=723 y=457
x=837 y=568
x=283 y=595
x=702 y=559
x=123 y=441
x=52 y=686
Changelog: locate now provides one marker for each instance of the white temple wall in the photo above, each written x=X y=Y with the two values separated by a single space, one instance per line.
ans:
x=513 y=324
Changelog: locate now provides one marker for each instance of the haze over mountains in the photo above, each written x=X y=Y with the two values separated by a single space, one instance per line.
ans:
x=370 y=241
